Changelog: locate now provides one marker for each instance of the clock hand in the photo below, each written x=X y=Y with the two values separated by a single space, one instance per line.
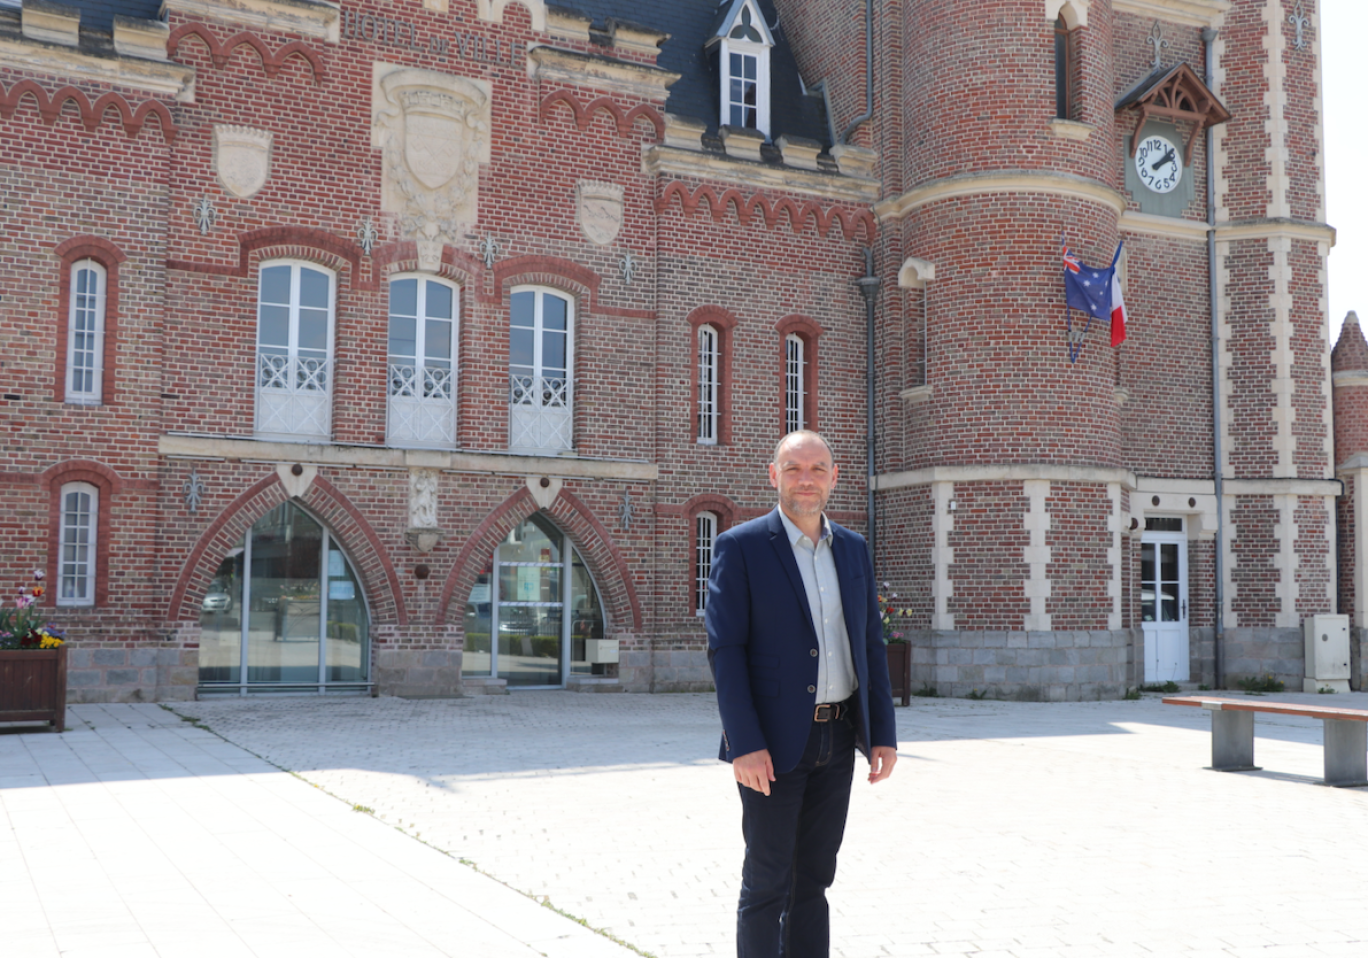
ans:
x=1166 y=158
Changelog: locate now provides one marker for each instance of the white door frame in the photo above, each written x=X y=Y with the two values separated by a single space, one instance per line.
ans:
x=1166 y=645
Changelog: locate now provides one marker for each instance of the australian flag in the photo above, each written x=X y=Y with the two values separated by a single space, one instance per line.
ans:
x=1096 y=292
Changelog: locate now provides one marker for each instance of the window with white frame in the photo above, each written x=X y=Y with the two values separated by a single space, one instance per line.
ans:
x=709 y=375
x=422 y=376
x=85 y=332
x=705 y=534
x=744 y=63
x=795 y=375
x=294 y=351
x=80 y=507
x=540 y=364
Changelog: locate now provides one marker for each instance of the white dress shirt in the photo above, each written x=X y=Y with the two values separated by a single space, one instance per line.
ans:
x=836 y=680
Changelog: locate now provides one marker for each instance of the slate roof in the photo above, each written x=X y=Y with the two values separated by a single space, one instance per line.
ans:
x=689 y=24
x=99 y=14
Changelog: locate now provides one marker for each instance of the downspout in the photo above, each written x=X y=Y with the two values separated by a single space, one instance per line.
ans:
x=869 y=289
x=1218 y=634
x=869 y=73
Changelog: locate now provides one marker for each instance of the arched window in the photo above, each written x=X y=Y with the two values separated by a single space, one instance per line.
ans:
x=534 y=617
x=86 y=332
x=540 y=371
x=795 y=383
x=1064 y=67
x=80 y=509
x=705 y=534
x=294 y=351
x=709 y=381
x=422 y=351
x=285 y=610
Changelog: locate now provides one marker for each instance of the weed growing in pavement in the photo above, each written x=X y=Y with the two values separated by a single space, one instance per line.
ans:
x=1204 y=687
x=1131 y=694
x=1325 y=690
x=976 y=695
x=1156 y=687
x=363 y=808
x=926 y=692
x=1260 y=685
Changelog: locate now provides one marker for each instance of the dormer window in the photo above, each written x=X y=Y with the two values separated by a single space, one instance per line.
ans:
x=743 y=43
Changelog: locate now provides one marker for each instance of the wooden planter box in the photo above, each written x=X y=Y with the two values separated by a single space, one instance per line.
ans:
x=900 y=670
x=33 y=686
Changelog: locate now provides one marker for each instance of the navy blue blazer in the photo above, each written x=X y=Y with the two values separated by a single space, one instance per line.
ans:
x=761 y=642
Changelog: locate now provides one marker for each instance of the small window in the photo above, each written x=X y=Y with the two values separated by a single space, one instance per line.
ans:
x=709 y=356
x=541 y=394
x=705 y=533
x=422 y=378
x=795 y=375
x=76 y=564
x=294 y=351
x=1064 y=67
x=743 y=60
x=1164 y=524
x=85 y=333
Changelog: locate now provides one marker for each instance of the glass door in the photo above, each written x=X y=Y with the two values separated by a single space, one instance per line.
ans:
x=285 y=611
x=1164 y=599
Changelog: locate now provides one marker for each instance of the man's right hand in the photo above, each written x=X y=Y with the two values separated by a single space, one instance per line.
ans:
x=754 y=770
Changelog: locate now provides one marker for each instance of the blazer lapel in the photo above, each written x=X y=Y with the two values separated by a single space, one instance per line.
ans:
x=849 y=564
x=784 y=550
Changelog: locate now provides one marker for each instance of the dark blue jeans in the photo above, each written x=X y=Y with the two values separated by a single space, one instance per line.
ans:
x=792 y=837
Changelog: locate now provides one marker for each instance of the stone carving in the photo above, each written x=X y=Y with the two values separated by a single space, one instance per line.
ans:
x=433 y=130
x=423 y=533
x=544 y=489
x=296 y=483
x=242 y=159
x=599 y=210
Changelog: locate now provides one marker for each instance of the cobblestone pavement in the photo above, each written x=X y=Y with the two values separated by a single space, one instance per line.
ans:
x=1008 y=829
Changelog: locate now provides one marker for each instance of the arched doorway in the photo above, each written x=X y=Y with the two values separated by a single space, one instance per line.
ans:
x=285 y=612
x=538 y=598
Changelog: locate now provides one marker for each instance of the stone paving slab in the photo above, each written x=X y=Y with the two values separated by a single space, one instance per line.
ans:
x=1009 y=829
x=135 y=834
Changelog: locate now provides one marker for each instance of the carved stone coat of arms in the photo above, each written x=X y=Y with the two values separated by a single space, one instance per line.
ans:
x=242 y=159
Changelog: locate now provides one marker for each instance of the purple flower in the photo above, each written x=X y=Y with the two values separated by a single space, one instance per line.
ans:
x=38 y=574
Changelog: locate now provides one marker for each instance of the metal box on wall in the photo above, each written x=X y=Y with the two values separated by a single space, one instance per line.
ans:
x=1326 y=639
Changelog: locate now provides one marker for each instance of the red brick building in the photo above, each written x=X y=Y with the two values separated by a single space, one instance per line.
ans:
x=425 y=345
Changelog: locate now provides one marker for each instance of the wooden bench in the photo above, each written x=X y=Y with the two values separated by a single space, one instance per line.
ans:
x=1232 y=735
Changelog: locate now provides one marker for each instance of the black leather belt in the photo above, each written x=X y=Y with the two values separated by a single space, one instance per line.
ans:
x=831 y=711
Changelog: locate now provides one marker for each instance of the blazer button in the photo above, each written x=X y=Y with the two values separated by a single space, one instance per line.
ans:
x=812 y=688
x=814 y=653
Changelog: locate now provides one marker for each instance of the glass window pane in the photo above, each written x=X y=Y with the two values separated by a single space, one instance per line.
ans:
x=220 y=651
x=313 y=288
x=1169 y=595
x=553 y=354
x=347 y=623
x=520 y=348
x=404 y=297
x=274 y=329
x=475 y=660
x=522 y=307
x=534 y=541
x=437 y=344
x=439 y=300
x=275 y=285
x=586 y=615
x=284 y=620
x=736 y=59
x=313 y=330
x=749 y=67
x=403 y=338
x=553 y=312
x=1168 y=561
x=529 y=644
x=1147 y=561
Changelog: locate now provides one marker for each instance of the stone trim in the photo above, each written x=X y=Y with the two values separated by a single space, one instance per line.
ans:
x=1193 y=231
x=1281 y=487
x=306 y=18
x=1189 y=13
x=1350 y=377
x=1024 y=472
x=1074 y=12
x=1038 y=586
x=143 y=39
x=44 y=22
x=179 y=446
x=660 y=160
x=550 y=64
x=1071 y=129
x=1012 y=181
x=1276 y=228
x=916 y=394
x=150 y=76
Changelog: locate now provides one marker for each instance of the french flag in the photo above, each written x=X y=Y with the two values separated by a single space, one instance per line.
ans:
x=1096 y=292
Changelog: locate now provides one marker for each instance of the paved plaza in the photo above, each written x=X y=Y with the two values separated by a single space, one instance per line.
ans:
x=1008 y=829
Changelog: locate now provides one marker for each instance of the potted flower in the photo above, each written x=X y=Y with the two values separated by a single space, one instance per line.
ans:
x=899 y=650
x=32 y=661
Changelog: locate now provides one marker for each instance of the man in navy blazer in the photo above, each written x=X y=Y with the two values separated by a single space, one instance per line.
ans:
x=795 y=641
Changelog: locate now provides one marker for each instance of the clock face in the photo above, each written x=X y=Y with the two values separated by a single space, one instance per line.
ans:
x=1159 y=164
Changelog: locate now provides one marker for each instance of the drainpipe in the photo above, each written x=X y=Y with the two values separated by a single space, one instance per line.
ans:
x=869 y=73
x=1218 y=634
x=869 y=289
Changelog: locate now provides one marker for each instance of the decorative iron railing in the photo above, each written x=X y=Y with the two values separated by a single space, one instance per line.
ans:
x=540 y=412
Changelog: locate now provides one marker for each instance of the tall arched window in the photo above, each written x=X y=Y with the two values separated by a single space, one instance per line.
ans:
x=1064 y=67
x=294 y=351
x=709 y=381
x=85 y=332
x=422 y=350
x=80 y=509
x=705 y=534
x=285 y=610
x=795 y=383
x=540 y=365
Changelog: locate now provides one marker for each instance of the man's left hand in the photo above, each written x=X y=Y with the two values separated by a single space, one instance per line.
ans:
x=882 y=758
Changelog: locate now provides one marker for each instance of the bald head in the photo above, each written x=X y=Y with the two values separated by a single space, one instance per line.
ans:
x=802 y=436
